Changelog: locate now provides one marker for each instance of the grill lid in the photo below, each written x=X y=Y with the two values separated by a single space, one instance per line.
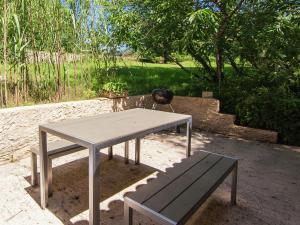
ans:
x=162 y=96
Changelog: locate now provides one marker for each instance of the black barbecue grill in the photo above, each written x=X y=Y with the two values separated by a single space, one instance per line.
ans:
x=162 y=97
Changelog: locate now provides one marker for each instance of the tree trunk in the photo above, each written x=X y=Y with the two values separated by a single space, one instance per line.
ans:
x=208 y=69
x=1 y=94
x=183 y=68
x=75 y=73
x=238 y=71
x=58 y=78
x=220 y=67
x=68 y=85
x=166 y=57
x=33 y=47
x=219 y=64
x=16 y=86
x=5 y=50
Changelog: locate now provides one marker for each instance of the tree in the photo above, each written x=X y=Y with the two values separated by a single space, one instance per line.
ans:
x=269 y=36
x=4 y=27
x=39 y=37
x=150 y=27
x=236 y=32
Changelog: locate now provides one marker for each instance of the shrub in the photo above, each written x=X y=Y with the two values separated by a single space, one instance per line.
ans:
x=89 y=94
x=117 y=87
x=266 y=102
x=267 y=108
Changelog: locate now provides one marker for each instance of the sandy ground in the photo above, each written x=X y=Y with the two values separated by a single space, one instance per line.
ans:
x=268 y=184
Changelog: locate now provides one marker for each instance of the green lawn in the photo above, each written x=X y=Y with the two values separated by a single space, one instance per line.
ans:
x=141 y=78
x=144 y=77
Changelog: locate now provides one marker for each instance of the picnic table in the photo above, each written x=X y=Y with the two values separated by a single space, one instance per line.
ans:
x=102 y=131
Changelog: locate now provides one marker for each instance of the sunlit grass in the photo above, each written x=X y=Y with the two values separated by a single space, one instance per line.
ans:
x=79 y=80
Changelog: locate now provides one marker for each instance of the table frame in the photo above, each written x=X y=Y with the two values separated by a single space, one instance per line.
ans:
x=94 y=161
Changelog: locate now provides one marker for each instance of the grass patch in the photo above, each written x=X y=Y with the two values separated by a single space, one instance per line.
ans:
x=142 y=78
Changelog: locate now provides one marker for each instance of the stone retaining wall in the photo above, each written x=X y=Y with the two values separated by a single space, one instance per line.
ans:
x=206 y=116
x=19 y=126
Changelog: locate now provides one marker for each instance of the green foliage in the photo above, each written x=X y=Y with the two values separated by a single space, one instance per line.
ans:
x=259 y=101
x=151 y=28
x=264 y=34
x=116 y=87
x=44 y=36
x=269 y=36
x=251 y=47
x=264 y=102
x=271 y=109
x=89 y=94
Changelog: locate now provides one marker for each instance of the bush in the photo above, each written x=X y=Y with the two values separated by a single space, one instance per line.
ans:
x=266 y=102
x=89 y=94
x=269 y=109
x=116 y=87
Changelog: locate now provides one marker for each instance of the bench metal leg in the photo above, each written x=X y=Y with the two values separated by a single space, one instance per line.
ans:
x=126 y=152
x=171 y=108
x=154 y=106
x=137 y=150
x=50 y=191
x=188 y=136
x=33 y=169
x=234 y=184
x=110 y=152
x=127 y=214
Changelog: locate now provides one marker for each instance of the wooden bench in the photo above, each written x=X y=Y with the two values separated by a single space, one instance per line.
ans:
x=176 y=194
x=61 y=148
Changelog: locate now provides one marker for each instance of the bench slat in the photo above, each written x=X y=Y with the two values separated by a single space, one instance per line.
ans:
x=174 y=189
x=56 y=147
x=189 y=201
x=146 y=191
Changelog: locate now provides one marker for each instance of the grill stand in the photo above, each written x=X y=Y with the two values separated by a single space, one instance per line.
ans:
x=171 y=107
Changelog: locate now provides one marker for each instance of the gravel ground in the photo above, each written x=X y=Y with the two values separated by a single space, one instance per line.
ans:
x=268 y=184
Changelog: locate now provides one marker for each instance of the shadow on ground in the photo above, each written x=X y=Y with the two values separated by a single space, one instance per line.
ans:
x=70 y=187
x=268 y=183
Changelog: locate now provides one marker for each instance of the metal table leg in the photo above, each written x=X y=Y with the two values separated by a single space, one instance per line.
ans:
x=137 y=150
x=94 y=186
x=110 y=152
x=188 y=136
x=234 y=185
x=50 y=177
x=126 y=152
x=33 y=169
x=44 y=169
